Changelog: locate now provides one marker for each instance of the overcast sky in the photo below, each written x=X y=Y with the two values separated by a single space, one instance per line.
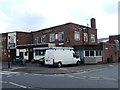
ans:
x=32 y=15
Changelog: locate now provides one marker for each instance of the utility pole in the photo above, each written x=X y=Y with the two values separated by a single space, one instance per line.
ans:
x=9 y=50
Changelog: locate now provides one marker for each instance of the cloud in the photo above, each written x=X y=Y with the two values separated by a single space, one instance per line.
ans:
x=27 y=15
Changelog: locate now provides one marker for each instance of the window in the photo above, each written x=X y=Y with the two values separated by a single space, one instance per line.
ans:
x=52 y=37
x=36 y=40
x=86 y=53
x=61 y=36
x=25 y=53
x=85 y=37
x=36 y=52
x=77 y=35
x=56 y=36
x=39 y=52
x=91 y=53
x=92 y=38
x=43 y=39
x=98 y=53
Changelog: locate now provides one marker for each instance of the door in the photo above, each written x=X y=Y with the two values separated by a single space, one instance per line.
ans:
x=21 y=55
x=30 y=57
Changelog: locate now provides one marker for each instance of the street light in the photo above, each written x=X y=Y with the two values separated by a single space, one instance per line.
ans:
x=9 y=51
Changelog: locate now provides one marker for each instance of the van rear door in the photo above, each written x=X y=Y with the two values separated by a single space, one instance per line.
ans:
x=49 y=56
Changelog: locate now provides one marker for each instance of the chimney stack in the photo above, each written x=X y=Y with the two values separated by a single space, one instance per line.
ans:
x=93 y=23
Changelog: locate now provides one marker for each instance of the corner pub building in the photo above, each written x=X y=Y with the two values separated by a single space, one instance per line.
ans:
x=82 y=38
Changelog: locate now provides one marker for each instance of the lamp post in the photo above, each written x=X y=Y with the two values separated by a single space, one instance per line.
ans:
x=9 y=51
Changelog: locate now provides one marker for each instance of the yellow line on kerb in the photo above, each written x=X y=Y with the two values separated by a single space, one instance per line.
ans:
x=86 y=71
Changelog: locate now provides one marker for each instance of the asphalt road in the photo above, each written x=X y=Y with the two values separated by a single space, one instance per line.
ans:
x=106 y=77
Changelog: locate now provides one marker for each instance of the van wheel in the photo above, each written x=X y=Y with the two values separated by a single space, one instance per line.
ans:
x=59 y=65
x=78 y=63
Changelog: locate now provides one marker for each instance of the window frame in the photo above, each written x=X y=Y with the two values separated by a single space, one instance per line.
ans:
x=43 y=37
x=85 y=37
x=92 y=38
x=61 y=36
x=52 y=37
x=76 y=35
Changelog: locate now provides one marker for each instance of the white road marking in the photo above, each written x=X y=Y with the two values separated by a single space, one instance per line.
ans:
x=109 y=78
x=63 y=69
x=95 y=78
x=17 y=85
x=36 y=74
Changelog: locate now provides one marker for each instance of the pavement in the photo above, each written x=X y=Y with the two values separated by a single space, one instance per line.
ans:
x=38 y=69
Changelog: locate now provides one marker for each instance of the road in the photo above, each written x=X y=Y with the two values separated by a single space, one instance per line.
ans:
x=106 y=77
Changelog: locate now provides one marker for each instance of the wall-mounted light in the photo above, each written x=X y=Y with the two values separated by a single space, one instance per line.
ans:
x=106 y=48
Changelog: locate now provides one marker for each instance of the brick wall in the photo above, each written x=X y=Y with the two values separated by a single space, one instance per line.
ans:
x=68 y=30
x=4 y=48
x=109 y=52
x=24 y=38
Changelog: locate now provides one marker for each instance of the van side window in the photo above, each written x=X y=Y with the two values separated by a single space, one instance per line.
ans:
x=75 y=55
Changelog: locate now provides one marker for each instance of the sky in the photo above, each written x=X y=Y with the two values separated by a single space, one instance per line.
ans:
x=33 y=15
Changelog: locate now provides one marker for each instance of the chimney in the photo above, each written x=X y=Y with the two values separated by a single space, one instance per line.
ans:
x=93 y=23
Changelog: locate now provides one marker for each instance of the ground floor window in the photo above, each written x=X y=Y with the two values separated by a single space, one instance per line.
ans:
x=39 y=52
x=98 y=53
x=86 y=53
x=91 y=53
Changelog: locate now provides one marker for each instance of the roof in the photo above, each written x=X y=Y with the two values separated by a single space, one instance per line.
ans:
x=60 y=26
x=103 y=40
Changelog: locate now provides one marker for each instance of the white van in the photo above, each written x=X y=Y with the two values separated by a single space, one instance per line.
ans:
x=59 y=56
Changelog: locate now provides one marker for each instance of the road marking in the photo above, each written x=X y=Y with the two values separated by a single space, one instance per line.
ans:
x=109 y=78
x=63 y=69
x=36 y=74
x=96 y=78
x=17 y=85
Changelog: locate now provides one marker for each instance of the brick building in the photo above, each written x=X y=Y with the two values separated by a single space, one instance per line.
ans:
x=111 y=49
x=68 y=34
x=3 y=46
x=16 y=38
x=82 y=38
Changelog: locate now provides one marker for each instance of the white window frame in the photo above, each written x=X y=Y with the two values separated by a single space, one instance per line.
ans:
x=43 y=37
x=94 y=53
x=77 y=35
x=61 y=36
x=99 y=55
x=85 y=37
x=92 y=38
x=52 y=37
x=36 y=40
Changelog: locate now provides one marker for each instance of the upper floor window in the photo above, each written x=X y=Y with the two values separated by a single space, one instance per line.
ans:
x=61 y=36
x=36 y=40
x=92 y=38
x=77 y=35
x=85 y=37
x=43 y=39
x=52 y=37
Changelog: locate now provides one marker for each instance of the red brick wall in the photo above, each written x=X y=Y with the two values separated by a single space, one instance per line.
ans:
x=68 y=30
x=112 y=38
x=4 y=49
x=23 y=38
x=109 y=51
